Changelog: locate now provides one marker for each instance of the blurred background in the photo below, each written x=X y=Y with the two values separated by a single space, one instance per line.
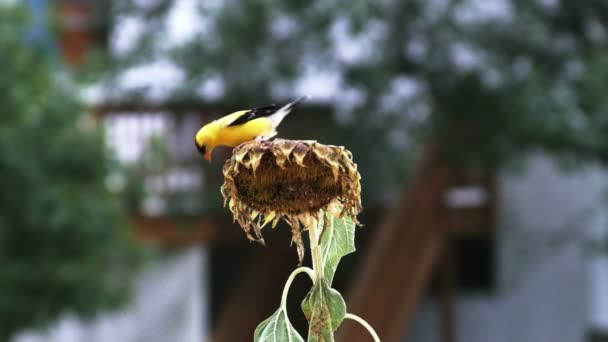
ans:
x=480 y=128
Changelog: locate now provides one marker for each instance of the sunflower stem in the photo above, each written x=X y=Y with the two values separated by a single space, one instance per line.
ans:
x=366 y=325
x=315 y=251
x=292 y=276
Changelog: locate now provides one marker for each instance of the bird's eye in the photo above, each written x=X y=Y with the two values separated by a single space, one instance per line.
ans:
x=201 y=149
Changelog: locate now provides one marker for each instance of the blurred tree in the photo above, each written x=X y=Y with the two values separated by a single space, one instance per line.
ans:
x=487 y=80
x=65 y=245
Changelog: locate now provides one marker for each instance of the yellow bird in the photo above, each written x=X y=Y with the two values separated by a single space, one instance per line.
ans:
x=239 y=127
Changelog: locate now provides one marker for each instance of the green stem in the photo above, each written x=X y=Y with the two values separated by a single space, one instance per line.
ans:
x=365 y=325
x=315 y=251
x=292 y=276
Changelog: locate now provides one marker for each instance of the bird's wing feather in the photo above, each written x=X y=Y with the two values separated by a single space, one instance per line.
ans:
x=253 y=114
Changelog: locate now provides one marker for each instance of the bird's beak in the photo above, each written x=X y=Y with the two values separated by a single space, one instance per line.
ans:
x=208 y=155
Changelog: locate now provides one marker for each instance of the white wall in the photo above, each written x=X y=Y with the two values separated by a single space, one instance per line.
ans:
x=170 y=304
x=545 y=278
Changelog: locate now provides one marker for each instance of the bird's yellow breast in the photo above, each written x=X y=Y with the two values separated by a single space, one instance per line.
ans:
x=235 y=135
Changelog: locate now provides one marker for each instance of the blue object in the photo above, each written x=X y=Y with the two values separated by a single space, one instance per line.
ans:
x=39 y=34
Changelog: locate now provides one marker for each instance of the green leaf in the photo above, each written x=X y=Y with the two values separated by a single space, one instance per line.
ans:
x=324 y=309
x=56 y=203
x=277 y=328
x=337 y=241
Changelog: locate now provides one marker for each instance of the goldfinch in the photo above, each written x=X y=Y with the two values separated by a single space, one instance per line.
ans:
x=239 y=127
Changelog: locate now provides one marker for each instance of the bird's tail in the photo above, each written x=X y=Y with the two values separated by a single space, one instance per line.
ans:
x=280 y=114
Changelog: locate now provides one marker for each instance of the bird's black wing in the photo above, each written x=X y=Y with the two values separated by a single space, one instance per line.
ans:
x=254 y=114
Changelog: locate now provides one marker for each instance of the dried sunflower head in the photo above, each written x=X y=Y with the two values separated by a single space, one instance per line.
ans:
x=265 y=181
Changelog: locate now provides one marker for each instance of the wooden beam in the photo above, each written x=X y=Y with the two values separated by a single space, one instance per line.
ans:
x=471 y=222
x=75 y=38
x=398 y=262
x=170 y=231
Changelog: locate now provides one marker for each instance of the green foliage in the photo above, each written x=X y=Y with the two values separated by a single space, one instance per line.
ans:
x=337 y=241
x=487 y=85
x=277 y=328
x=324 y=309
x=65 y=245
x=323 y=306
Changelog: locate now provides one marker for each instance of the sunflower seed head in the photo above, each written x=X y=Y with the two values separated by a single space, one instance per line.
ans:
x=293 y=180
